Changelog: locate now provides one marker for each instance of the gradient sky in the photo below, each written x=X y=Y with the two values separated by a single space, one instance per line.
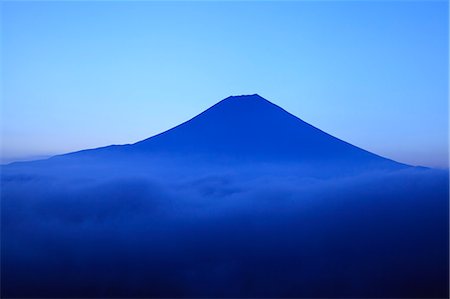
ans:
x=84 y=74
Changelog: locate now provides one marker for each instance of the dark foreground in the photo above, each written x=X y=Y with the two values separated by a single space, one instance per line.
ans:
x=227 y=234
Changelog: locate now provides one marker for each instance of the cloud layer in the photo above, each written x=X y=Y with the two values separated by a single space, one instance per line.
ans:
x=226 y=235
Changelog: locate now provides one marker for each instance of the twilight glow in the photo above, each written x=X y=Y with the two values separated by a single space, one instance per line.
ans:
x=81 y=74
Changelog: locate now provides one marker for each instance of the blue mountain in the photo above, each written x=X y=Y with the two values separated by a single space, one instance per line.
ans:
x=252 y=128
x=243 y=130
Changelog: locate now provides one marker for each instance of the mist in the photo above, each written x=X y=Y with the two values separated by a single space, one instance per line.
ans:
x=226 y=235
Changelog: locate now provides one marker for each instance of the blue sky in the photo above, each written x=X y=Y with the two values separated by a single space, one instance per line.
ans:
x=82 y=74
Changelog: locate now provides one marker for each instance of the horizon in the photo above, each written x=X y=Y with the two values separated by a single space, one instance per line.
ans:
x=379 y=84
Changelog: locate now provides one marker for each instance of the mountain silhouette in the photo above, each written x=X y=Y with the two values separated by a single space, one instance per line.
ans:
x=238 y=131
x=252 y=128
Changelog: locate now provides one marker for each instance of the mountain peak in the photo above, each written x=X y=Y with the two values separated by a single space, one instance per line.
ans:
x=252 y=103
x=245 y=97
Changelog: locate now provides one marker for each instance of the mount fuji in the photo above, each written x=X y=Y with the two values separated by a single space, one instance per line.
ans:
x=239 y=132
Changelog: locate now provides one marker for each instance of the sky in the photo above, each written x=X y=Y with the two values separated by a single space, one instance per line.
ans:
x=85 y=74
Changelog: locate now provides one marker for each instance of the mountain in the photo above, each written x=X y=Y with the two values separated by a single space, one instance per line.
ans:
x=239 y=131
x=252 y=128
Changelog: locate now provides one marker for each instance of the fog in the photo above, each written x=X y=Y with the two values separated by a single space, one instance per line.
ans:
x=224 y=233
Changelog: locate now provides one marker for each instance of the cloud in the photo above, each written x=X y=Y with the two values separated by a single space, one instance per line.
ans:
x=226 y=235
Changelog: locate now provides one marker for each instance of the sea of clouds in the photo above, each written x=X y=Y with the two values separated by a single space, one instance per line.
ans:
x=224 y=234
